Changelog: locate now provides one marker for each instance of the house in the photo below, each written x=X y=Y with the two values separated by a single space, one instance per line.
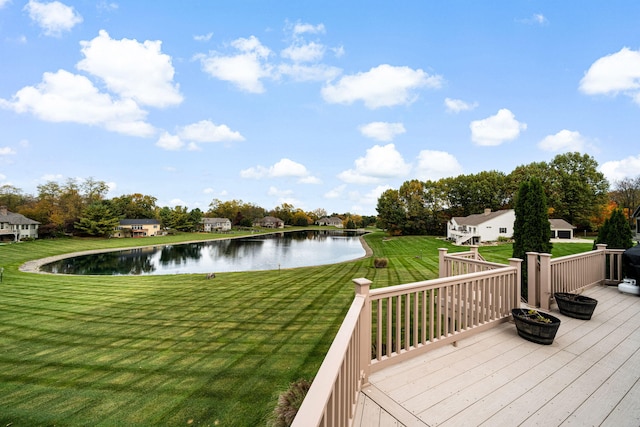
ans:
x=561 y=229
x=333 y=221
x=137 y=228
x=485 y=227
x=269 y=222
x=215 y=224
x=15 y=227
x=636 y=218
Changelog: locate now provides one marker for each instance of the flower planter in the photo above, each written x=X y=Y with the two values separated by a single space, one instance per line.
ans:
x=574 y=305
x=532 y=328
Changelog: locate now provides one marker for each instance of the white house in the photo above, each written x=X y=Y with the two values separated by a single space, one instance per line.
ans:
x=333 y=221
x=15 y=227
x=215 y=224
x=485 y=227
x=561 y=229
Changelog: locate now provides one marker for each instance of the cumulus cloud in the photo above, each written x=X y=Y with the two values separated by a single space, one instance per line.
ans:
x=381 y=86
x=336 y=192
x=617 y=170
x=309 y=52
x=380 y=162
x=6 y=151
x=382 y=131
x=203 y=37
x=67 y=97
x=54 y=17
x=563 y=141
x=245 y=69
x=285 y=168
x=191 y=135
x=434 y=165
x=613 y=74
x=495 y=130
x=131 y=69
x=305 y=28
x=458 y=105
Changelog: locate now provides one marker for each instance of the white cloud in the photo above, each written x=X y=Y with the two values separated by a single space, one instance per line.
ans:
x=51 y=177
x=300 y=28
x=563 y=141
x=380 y=162
x=613 y=74
x=6 y=151
x=457 y=105
x=309 y=52
x=67 y=97
x=203 y=37
x=3 y=3
x=245 y=70
x=169 y=142
x=206 y=131
x=382 y=86
x=434 y=165
x=54 y=18
x=535 y=19
x=131 y=69
x=617 y=170
x=335 y=193
x=382 y=131
x=285 y=168
x=274 y=191
x=304 y=73
x=495 y=130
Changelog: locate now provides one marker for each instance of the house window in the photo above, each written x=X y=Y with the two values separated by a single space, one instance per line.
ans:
x=503 y=230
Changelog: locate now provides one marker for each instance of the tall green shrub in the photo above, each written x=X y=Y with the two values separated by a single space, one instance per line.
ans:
x=615 y=232
x=531 y=230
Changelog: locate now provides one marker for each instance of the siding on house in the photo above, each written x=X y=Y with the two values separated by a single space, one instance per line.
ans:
x=137 y=228
x=15 y=226
x=216 y=224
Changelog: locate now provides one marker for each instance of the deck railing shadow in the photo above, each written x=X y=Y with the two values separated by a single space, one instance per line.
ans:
x=385 y=326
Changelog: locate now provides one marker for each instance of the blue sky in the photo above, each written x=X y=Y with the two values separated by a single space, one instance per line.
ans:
x=317 y=104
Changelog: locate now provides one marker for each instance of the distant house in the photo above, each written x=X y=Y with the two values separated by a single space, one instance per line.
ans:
x=215 y=224
x=636 y=217
x=269 y=222
x=334 y=221
x=485 y=227
x=15 y=227
x=561 y=229
x=137 y=228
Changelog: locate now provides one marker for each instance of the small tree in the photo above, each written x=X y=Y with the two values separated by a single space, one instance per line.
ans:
x=98 y=220
x=615 y=232
x=531 y=230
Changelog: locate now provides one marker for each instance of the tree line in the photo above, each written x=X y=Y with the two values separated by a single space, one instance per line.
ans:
x=574 y=188
x=80 y=207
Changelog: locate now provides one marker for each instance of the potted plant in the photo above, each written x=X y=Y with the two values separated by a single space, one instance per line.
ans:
x=535 y=326
x=575 y=305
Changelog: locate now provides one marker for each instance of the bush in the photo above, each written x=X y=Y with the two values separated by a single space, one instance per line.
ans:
x=380 y=262
x=288 y=404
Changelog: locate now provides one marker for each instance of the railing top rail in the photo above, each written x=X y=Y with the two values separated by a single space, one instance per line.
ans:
x=390 y=291
x=475 y=261
x=312 y=409
x=562 y=259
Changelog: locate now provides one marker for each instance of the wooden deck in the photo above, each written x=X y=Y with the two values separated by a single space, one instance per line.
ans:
x=589 y=376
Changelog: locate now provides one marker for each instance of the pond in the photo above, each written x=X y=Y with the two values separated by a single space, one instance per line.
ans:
x=264 y=252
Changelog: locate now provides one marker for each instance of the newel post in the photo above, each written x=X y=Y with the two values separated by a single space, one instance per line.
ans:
x=362 y=287
x=517 y=263
x=533 y=280
x=545 y=281
x=602 y=248
x=474 y=251
x=442 y=252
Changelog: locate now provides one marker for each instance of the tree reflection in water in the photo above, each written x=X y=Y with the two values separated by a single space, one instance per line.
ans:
x=265 y=252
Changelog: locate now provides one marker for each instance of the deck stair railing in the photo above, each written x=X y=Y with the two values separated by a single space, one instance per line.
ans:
x=388 y=325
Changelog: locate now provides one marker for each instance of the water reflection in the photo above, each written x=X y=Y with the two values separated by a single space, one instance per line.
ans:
x=265 y=252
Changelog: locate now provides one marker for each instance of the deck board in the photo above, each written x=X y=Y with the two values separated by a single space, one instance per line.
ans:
x=590 y=375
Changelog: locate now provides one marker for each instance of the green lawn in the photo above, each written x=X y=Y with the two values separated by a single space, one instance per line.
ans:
x=180 y=349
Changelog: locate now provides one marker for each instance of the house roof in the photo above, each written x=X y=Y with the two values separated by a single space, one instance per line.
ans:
x=214 y=220
x=560 y=224
x=16 y=219
x=477 y=219
x=142 y=221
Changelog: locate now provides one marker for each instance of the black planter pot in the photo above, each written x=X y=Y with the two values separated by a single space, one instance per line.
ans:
x=574 y=305
x=534 y=330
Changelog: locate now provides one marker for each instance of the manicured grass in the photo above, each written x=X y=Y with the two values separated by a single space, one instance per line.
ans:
x=180 y=349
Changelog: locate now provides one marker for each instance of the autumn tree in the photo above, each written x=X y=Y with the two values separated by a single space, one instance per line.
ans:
x=135 y=206
x=615 y=232
x=626 y=193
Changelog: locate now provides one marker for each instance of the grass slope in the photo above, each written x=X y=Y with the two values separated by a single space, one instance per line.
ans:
x=180 y=349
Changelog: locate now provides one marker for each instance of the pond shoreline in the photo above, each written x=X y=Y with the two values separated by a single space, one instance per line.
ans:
x=33 y=266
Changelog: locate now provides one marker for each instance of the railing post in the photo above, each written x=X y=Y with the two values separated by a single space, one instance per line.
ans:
x=533 y=280
x=517 y=263
x=362 y=287
x=545 y=281
x=474 y=250
x=602 y=248
x=442 y=252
